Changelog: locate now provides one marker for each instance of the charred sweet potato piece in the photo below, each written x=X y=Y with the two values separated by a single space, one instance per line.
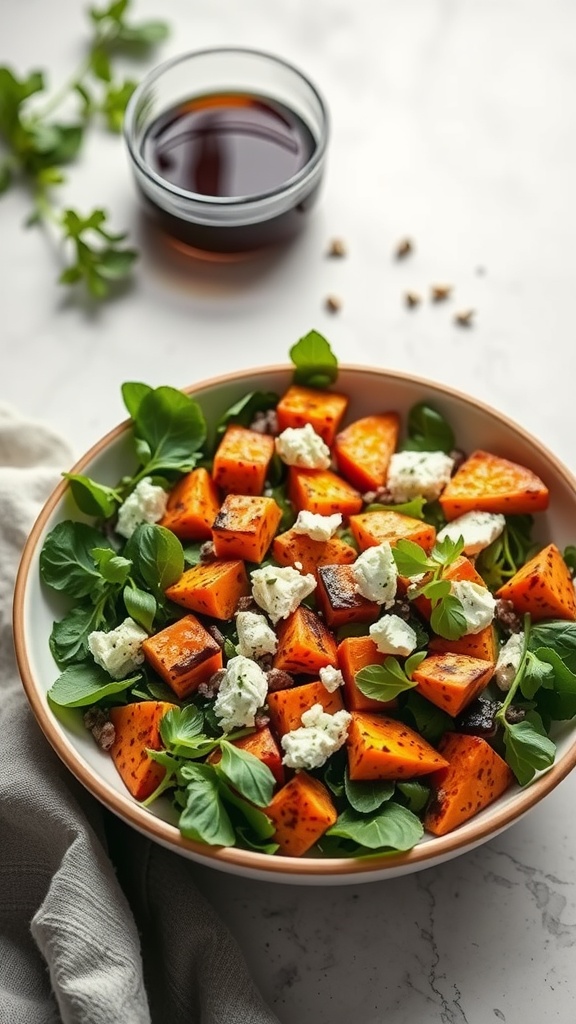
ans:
x=137 y=729
x=305 y=645
x=263 y=746
x=322 y=409
x=475 y=776
x=302 y=811
x=286 y=707
x=245 y=526
x=460 y=569
x=192 y=506
x=543 y=587
x=364 y=448
x=354 y=654
x=305 y=554
x=382 y=748
x=338 y=599
x=451 y=681
x=482 y=645
x=211 y=588
x=489 y=483
x=241 y=460
x=372 y=528
x=321 y=490
x=184 y=655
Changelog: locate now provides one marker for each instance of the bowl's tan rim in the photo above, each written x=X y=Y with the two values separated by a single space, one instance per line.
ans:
x=468 y=835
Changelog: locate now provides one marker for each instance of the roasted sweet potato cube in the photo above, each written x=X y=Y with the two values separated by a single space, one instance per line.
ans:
x=482 y=645
x=338 y=598
x=372 y=528
x=305 y=645
x=322 y=409
x=183 y=654
x=211 y=588
x=451 y=681
x=263 y=746
x=322 y=491
x=354 y=654
x=383 y=748
x=301 y=811
x=245 y=526
x=286 y=707
x=460 y=569
x=305 y=554
x=475 y=776
x=363 y=449
x=192 y=506
x=241 y=460
x=489 y=483
x=543 y=587
x=137 y=729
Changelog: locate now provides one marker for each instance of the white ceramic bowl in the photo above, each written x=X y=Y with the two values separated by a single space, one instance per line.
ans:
x=35 y=609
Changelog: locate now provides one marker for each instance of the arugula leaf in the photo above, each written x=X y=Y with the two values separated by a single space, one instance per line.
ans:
x=247 y=773
x=261 y=826
x=315 y=364
x=83 y=684
x=366 y=797
x=394 y=827
x=428 y=431
x=157 y=557
x=204 y=817
x=66 y=561
x=383 y=682
x=528 y=748
x=93 y=498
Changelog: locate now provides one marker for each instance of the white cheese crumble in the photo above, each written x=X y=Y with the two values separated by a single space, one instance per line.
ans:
x=279 y=591
x=477 y=602
x=393 y=636
x=509 y=660
x=320 y=736
x=477 y=529
x=375 y=574
x=303 y=447
x=242 y=692
x=411 y=474
x=118 y=652
x=331 y=678
x=316 y=526
x=146 y=504
x=255 y=636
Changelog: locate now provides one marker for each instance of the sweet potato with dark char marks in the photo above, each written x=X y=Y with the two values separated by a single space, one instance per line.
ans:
x=241 y=460
x=364 y=448
x=305 y=645
x=489 y=483
x=543 y=587
x=476 y=776
x=245 y=526
x=183 y=654
x=286 y=707
x=305 y=554
x=322 y=491
x=354 y=654
x=451 y=681
x=383 y=748
x=137 y=729
x=322 y=409
x=338 y=598
x=482 y=645
x=302 y=811
x=372 y=528
x=211 y=588
x=192 y=506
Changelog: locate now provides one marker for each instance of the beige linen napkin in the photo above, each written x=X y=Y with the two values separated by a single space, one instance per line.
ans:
x=97 y=924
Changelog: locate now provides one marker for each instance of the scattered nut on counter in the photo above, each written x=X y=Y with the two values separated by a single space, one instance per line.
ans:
x=404 y=248
x=464 y=318
x=337 y=248
x=412 y=299
x=333 y=304
x=440 y=292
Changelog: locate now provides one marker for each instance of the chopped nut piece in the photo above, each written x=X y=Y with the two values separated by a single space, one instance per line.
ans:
x=210 y=688
x=337 y=248
x=278 y=679
x=412 y=299
x=207 y=552
x=265 y=422
x=333 y=304
x=440 y=292
x=464 y=318
x=404 y=248
x=99 y=724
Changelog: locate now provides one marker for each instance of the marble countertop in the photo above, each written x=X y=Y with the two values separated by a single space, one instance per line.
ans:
x=452 y=123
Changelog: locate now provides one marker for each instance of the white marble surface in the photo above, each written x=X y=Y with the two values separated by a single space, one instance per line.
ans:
x=453 y=123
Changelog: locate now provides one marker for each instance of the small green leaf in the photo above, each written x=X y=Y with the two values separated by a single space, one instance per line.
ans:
x=413 y=508
x=5 y=176
x=173 y=427
x=205 y=817
x=66 y=561
x=411 y=559
x=69 y=636
x=528 y=748
x=140 y=605
x=132 y=395
x=412 y=663
x=394 y=827
x=244 y=411
x=383 y=682
x=84 y=684
x=115 y=264
x=181 y=727
x=246 y=773
x=315 y=364
x=157 y=556
x=415 y=793
x=429 y=720
x=428 y=431
x=147 y=33
x=436 y=589
x=446 y=551
x=448 y=619
x=536 y=673
x=91 y=497
x=113 y=568
x=366 y=797
x=100 y=64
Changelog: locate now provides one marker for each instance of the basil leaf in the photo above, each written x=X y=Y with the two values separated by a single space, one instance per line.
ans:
x=428 y=431
x=415 y=793
x=69 y=637
x=383 y=682
x=205 y=817
x=113 y=568
x=394 y=827
x=315 y=364
x=92 y=498
x=173 y=427
x=157 y=557
x=366 y=797
x=528 y=748
x=245 y=409
x=140 y=605
x=431 y=722
x=83 y=684
x=247 y=773
x=411 y=559
x=448 y=619
x=66 y=561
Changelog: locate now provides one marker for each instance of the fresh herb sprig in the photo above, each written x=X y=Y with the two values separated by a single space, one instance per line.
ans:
x=39 y=145
x=384 y=682
x=447 y=618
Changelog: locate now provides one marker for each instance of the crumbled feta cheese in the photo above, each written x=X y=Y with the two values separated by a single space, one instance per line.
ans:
x=242 y=692
x=255 y=636
x=478 y=530
x=146 y=504
x=303 y=447
x=331 y=678
x=477 y=602
x=320 y=736
x=393 y=636
x=375 y=574
x=279 y=591
x=119 y=651
x=509 y=660
x=411 y=474
x=316 y=526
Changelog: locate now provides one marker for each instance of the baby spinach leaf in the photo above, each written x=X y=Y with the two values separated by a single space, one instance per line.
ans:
x=204 y=817
x=315 y=364
x=431 y=722
x=157 y=557
x=537 y=672
x=246 y=773
x=243 y=411
x=140 y=605
x=394 y=827
x=132 y=394
x=560 y=636
x=66 y=561
x=366 y=797
x=92 y=498
x=383 y=682
x=528 y=748
x=428 y=431
x=558 y=699
x=84 y=684
x=69 y=637
x=415 y=794
x=171 y=425
x=260 y=824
